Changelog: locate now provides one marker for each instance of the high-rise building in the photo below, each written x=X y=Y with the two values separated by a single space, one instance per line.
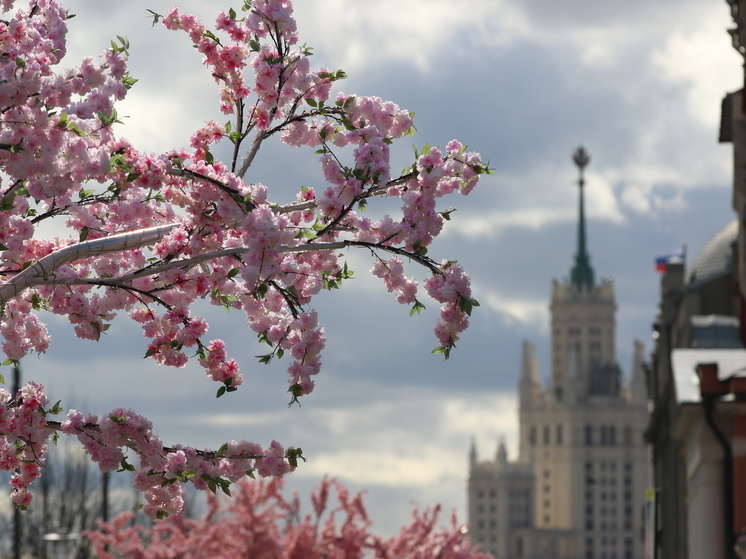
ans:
x=577 y=488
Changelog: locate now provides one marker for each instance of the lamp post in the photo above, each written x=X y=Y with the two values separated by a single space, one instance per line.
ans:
x=16 y=510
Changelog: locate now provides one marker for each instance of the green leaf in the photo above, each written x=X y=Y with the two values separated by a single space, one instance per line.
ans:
x=126 y=466
x=444 y=350
x=447 y=213
x=128 y=81
x=466 y=304
x=297 y=391
x=84 y=233
x=210 y=35
x=56 y=408
x=221 y=391
x=156 y=18
x=416 y=308
x=2 y=379
x=293 y=454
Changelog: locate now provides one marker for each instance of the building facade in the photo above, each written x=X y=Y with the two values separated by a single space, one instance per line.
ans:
x=578 y=485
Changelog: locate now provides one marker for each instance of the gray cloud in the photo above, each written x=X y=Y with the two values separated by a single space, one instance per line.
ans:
x=522 y=82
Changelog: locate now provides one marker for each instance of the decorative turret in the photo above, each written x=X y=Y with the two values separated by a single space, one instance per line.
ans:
x=502 y=453
x=638 y=390
x=581 y=275
x=473 y=453
x=529 y=386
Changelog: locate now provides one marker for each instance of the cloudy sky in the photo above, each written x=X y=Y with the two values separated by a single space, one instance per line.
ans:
x=524 y=82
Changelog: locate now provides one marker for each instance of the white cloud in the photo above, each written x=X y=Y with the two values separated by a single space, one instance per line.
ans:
x=690 y=54
x=425 y=442
x=360 y=35
x=528 y=312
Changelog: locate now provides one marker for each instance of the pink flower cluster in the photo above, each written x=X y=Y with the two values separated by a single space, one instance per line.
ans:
x=216 y=237
x=163 y=471
x=23 y=435
x=453 y=289
x=261 y=522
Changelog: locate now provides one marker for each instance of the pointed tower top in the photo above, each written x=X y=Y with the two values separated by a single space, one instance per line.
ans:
x=502 y=452
x=581 y=275
x=473 y=452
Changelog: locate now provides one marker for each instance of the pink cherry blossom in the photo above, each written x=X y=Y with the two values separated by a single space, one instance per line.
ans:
x=150 y=235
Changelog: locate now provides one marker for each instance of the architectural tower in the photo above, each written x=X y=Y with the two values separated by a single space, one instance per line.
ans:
x=581 y=453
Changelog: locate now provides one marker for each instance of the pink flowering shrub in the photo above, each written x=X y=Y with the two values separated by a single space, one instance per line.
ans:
x=151 y=234
x=261 y=523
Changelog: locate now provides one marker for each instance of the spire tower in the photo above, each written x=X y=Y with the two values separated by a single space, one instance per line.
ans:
x=581 y=275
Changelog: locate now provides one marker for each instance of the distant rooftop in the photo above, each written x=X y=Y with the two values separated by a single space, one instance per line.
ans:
x=731 y=362
x=715 y=258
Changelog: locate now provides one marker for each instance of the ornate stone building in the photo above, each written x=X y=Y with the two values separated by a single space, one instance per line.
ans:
x=577 y=488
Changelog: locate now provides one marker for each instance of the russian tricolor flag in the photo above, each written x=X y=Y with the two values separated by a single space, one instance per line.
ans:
x=674 y=258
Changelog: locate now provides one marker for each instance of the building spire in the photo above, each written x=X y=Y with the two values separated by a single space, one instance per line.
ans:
x=581 y=275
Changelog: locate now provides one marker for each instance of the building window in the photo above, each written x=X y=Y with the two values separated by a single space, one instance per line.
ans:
x=547 y=435
x=546 y=489
x=492 y=494
x=546 y=474
x=588 y=435
x=627 y=435
x=608 y=435
x=532 y=436
x=559 y=434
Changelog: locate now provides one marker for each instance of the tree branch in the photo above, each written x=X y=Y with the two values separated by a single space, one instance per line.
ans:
x=45 y=266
